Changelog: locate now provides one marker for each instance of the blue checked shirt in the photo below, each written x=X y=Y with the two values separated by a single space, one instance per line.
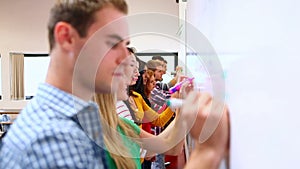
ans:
x=55 y=130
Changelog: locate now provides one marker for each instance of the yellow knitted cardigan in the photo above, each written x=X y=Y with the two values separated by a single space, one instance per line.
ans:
x=147 y=114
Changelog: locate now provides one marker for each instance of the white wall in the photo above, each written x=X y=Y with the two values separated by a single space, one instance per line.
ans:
x=23 y=28
x=258 y=44
x=154 y=42
x=163 y=6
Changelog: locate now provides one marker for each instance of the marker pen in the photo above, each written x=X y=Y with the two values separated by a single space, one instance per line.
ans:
x=178 y=85
x=174 y=103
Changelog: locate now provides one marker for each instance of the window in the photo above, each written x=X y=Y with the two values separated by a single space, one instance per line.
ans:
x=35 y=69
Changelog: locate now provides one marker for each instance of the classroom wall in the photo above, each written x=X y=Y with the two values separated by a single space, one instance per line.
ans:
x=146 y=42
x=22 y=29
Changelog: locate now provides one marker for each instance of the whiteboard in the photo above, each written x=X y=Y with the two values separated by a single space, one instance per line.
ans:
x=262 y=81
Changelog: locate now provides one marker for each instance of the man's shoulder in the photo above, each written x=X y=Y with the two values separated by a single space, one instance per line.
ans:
x=43 y=142
x=35 y=123
x=26 y=131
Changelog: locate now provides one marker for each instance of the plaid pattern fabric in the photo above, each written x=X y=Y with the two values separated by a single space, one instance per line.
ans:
x=47 y=134
x=158 y=97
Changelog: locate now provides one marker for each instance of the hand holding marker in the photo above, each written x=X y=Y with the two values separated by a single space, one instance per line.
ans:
x=178 y=85
x=174 y=103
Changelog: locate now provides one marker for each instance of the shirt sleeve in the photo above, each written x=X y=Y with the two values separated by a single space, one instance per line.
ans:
x=156 y=119
x=123 y=111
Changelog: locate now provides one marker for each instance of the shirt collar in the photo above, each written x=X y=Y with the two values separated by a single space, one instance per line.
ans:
x=70 y=106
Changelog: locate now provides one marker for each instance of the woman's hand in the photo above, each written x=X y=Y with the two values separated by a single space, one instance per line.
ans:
x=194 y=104
x=185 y=89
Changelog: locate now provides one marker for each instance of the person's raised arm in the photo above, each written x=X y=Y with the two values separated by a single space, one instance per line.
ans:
x=177 y=130
x=209 y=153
x=156 y=119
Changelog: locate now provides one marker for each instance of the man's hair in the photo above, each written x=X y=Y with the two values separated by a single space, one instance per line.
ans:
x=157 y=57
x=79 y=13
x=153 y=64
x=131 y=50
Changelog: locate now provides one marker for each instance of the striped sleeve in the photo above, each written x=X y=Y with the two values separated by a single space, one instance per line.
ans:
x=123 y=111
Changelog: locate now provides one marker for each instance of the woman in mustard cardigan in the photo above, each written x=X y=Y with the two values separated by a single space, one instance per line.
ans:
x=144 y=113
x=141 y=111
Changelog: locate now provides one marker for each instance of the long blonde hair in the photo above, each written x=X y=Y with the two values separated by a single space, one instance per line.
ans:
x=112 y=139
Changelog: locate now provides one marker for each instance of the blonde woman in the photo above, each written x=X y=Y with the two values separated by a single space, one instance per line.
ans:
x=123 y=139
x=122 y=151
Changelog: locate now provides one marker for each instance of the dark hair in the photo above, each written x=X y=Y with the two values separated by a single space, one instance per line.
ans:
x=131 y=50
x=139 y=82
x=79 y=13
x=157 y=57
x=142 y=64
x=139 y=87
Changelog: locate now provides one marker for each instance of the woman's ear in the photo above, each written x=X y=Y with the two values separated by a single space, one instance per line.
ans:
x=64 y=35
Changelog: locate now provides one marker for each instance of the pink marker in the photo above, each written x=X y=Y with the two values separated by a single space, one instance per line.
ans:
x=178 y=85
